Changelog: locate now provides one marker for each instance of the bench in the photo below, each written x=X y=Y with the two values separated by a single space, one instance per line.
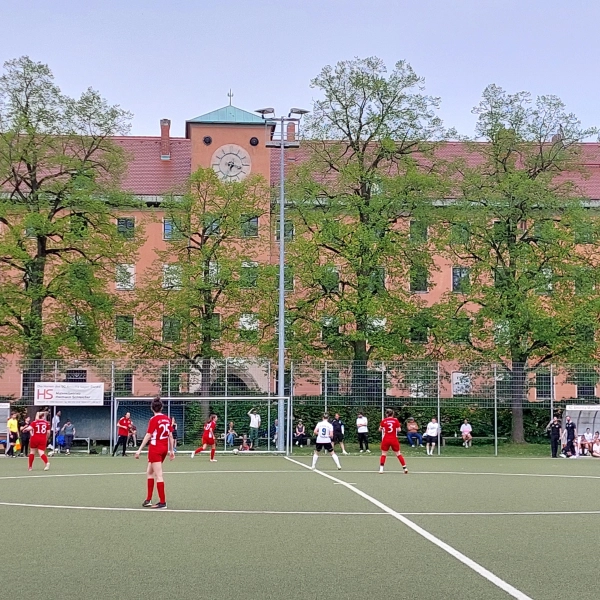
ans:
x=458 y=438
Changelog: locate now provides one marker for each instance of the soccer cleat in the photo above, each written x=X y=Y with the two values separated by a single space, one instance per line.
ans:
x=159 y=505
x=381 y=469
x=213 y=460
x=339 y=468
x=147 y=503
x=405 y=471
x=344 y=452
x=47 y=467
x=30 y=469
x=192 y=454
x=562 y=455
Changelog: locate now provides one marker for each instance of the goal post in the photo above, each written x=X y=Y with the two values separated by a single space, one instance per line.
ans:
x=190 y=413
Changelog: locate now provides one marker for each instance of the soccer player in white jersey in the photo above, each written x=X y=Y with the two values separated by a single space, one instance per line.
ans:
x=324 y=433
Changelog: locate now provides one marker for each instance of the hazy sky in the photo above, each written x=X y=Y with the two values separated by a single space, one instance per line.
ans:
x=179 y=58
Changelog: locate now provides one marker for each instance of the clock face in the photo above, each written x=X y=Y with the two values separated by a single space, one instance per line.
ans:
x=231 y=163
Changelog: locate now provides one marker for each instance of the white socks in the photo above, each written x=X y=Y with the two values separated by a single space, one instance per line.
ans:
x=336 y=460
x=315 y=457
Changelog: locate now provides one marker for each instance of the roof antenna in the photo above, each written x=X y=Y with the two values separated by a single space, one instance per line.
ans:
x=230 y=96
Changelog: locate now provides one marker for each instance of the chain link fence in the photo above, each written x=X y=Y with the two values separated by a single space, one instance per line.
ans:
x=490 y=397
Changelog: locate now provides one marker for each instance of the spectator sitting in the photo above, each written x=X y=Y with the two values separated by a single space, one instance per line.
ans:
x=596 y=445
x=132 y=437
x=300 y=434
x=465 y=431
x=585 y=442
x=245 y=445
x=68 y=433
x=231 y=435
x=412 y=433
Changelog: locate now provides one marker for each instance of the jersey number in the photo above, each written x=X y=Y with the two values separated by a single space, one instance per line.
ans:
x=390 y=427
x=39 y=428
x=324 y=432
x=164 y=431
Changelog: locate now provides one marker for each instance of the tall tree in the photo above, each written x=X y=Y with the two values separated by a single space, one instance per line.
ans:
x=204 y=292
x=523 y=242
x=370 y=172
x=59 y=176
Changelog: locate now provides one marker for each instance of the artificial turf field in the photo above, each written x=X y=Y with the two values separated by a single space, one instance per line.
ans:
x=267 y=527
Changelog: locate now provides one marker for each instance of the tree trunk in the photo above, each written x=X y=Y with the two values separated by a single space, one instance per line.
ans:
x=518 y=388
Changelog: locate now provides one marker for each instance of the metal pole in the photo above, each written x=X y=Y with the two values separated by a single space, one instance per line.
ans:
x=382 y=389
x=551 y=392
x=439 y=416
x=325 y=390
x=169 y=389
x=112 y=405
x=289 y=445
x=495 y=410
x=54 y=408
x=281 y=341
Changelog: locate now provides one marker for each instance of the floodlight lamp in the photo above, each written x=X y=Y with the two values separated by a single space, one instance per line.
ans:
x=298 y=111
x=265 y=111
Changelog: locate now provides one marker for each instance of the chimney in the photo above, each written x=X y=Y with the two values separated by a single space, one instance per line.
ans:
x=291 y=132
x=165 y=139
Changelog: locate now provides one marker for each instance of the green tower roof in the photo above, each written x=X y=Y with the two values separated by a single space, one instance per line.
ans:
x=229 y=114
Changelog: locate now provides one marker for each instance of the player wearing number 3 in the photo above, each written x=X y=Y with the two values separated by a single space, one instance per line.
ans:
x=324 y=433
x=208 y=438
x=390 y=426
x=161 y=443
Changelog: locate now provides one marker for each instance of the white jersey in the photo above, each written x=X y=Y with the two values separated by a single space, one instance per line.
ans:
x=433 y=429
x=324 y=432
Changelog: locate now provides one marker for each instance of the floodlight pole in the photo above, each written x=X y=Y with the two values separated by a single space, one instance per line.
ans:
x=281 y=311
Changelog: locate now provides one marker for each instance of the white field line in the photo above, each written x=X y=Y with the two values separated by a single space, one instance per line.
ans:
x=480 y=570
x=197 y=510
x=503 y=514
x=551 y=475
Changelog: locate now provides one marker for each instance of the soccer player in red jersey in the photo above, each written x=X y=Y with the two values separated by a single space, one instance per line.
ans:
x=161 y=443
x=208 y=438
x=390 y=426
x=40 y=430
x=123 y=429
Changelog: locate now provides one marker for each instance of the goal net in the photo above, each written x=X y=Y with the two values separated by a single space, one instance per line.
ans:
x=191 y=412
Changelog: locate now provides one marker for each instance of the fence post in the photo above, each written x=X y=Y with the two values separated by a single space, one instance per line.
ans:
x=325 y=386
x=113 y=408
x=439 y=416
x=169 y=388
x=226 y=378
x=54 y=408
x=289 y=444
x=551 y=392
x=382 y=389
x=495 y=410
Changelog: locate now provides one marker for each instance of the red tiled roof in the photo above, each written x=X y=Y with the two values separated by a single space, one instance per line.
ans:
x=588 y=181
x=146 y=173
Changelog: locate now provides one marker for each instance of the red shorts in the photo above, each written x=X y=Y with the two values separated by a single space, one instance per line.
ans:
x=38 y=443
x=208 y=441
x=390 y=445
x=155 y=455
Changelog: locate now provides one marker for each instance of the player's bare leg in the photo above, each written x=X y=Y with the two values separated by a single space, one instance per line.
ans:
x=336 y=460
x=343 y=448
x=198 y=450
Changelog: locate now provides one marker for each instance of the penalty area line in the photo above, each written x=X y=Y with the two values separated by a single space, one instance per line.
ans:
x=479 y=569
x=197 y=510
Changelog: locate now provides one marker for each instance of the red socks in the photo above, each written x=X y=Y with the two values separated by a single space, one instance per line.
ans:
x=401 y=459
x=31 y=457
x=150 y=489
x=44 y=458
x=160 y=486
x=212 y=453
x=382 y=460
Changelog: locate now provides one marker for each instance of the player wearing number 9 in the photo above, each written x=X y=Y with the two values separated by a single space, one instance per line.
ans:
x=160 y=439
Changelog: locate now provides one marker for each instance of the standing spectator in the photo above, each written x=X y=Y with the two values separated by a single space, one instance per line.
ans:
x=275 y=431
x=68 y=431
x=132 y=438
x=412 y=429
x=555 y=429
x=465 y=431
x=300 y=434
x=338 y=432
x=362 y=429
x=431 y=435
x=174 y=433
x=56 y=428
x=254 y=427
x=231 y=435
x=571 y=430
x=25 y=436
x=123 y=429
x=12 y=426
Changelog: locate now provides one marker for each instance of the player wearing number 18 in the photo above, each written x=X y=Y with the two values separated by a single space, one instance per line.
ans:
x=390 y=427
x=160 y=441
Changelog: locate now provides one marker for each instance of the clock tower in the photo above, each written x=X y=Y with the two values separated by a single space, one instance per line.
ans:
x=231 y=141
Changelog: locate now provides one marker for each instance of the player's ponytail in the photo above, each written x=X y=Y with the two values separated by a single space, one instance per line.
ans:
x=389 y=412
x=157 y=404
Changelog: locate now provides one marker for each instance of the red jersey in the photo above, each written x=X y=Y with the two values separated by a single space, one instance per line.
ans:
x=390 y=426
x=40 y=429
x=209 y=430
x=124 y=426
x=159 y=428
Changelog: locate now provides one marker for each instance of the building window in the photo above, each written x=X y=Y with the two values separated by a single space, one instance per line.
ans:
x=460 y=279
x=544 y=286
x=419 y=334
x=459 y=234
x=584 y=233
x=249 y=274
x=543 y=385
x=377 y=280
x=123 y=382
x=376 y=324
x=418 y=232
x=249 y=226
x=418 y=278
x=171 y=329
x=288 y=279
x=330 y=328
x=584 y=281
x=248 y=326
x=78 y=225
x=586 y=384
x=125 y=277
x=461 y=384
x=288 y=230
x=330 y=279
x=172 y=277
x=585 y=333
x=76 y=376
x=126 y=227
x=171 y=230
x=212 y=326
x=213 y=274
x=461 y=330
x=212 y=225
x=123 y=328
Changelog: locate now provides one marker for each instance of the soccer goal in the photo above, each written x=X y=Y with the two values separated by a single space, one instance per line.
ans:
x=273 y=416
